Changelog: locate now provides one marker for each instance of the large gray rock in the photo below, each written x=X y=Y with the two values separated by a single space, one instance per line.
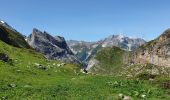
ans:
x=4 y=57
x=52 y=47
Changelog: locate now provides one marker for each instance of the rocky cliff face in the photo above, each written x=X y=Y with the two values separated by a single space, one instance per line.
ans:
x=156 y=52
x=52 y=47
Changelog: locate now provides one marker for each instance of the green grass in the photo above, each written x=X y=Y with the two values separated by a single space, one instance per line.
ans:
x=110 y=60
x=64 y=83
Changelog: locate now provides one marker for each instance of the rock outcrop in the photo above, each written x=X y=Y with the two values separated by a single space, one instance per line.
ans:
x=4 y=57
x=52 y=47
x=156 y=52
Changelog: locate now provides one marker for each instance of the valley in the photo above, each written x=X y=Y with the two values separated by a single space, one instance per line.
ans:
x=43 y=67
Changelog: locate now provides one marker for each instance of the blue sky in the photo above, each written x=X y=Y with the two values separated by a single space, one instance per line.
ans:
x=88 y=20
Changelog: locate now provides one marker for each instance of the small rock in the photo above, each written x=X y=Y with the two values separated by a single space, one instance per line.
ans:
x=126 y=98
x=58 y=65
x=73 y=78
x=4 y=98
x=116 y=83
x=62 y=64
x=18 y=70
x=121 y=95
x=39 y=66
x=12 y=85
x=143 y=96
x=83 y=71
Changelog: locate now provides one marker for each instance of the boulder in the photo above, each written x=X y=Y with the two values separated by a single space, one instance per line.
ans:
x=4 y=57
x=12 y=85
x=39 y=66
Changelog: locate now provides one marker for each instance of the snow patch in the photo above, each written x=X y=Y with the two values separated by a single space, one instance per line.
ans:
x=120 y=37
x=2 y=22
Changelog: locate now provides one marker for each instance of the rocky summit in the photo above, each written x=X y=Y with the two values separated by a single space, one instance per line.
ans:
x=122 y=42
x=52 y=47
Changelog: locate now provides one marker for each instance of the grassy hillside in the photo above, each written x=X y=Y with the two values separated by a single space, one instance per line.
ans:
x=12 y=38
x=29 y=76
x=111 y=60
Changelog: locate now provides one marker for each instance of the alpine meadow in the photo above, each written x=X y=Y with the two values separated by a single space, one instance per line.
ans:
x=90 y=50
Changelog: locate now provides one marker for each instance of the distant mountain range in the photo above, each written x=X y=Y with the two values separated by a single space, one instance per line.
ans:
x=86 y=50
x=113 y=54
x=72 y=51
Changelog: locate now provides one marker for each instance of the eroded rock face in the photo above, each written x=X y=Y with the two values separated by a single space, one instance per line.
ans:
x=156 y=52
x=52 y=47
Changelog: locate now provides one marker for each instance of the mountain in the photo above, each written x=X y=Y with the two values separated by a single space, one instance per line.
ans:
x=52 y=47
x=108 y=60
x=150 y=60
x=86 y=50
x=23 y=69
x=156 y=52
x=5 y=24
x=27 y=74
x=78 y=46
x=82 y=49
x=32 y=77
x=122 y=42
x=11 y=36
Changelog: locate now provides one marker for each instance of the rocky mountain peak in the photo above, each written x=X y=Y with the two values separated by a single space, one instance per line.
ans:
x=35 y=30
x=121 y=41
x=51 y=47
